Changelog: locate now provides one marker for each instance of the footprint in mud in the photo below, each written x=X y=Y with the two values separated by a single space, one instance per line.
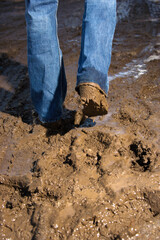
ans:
x=87 y=147
x=134 y=112
x=144 y=157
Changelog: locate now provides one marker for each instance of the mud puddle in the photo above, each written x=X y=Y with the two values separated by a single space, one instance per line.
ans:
x=98 y=181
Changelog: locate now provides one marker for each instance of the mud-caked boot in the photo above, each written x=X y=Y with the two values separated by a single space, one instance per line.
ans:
x=93 y=100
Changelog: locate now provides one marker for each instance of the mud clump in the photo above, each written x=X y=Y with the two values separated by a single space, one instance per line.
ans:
x=153 y=198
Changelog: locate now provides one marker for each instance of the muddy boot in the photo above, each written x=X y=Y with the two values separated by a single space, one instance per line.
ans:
x=65 y=122
x=93 y=100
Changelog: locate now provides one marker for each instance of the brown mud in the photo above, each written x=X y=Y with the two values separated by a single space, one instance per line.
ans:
x=102 y=179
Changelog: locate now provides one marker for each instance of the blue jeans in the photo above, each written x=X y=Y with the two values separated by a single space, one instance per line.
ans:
x=45 y=60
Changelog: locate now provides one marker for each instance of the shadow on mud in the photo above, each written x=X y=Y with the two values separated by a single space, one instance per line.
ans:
x=16 y=101
x=15 y=94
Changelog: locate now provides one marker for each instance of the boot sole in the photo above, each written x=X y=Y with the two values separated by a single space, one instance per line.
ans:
x=93 y=99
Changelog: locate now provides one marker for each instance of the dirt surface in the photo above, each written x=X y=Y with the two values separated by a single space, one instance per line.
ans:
x=102 y=179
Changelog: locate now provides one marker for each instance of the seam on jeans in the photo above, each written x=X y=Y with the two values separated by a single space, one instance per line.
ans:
x=58 y=38
x=36 y=54
x=46 y=88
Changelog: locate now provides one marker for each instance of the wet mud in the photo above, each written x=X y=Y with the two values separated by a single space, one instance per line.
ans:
x=100 y=180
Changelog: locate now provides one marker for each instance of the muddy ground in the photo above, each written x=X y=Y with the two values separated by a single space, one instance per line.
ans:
x=102 y=179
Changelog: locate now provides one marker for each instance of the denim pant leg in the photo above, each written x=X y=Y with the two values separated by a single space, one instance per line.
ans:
x=45 y=62
x=98 y=28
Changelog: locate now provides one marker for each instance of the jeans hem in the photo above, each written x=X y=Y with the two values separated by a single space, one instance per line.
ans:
x=44 y=120
x=104 y=88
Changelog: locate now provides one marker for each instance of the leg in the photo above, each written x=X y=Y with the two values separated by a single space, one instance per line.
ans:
x=98 y=28
x=45 y=62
